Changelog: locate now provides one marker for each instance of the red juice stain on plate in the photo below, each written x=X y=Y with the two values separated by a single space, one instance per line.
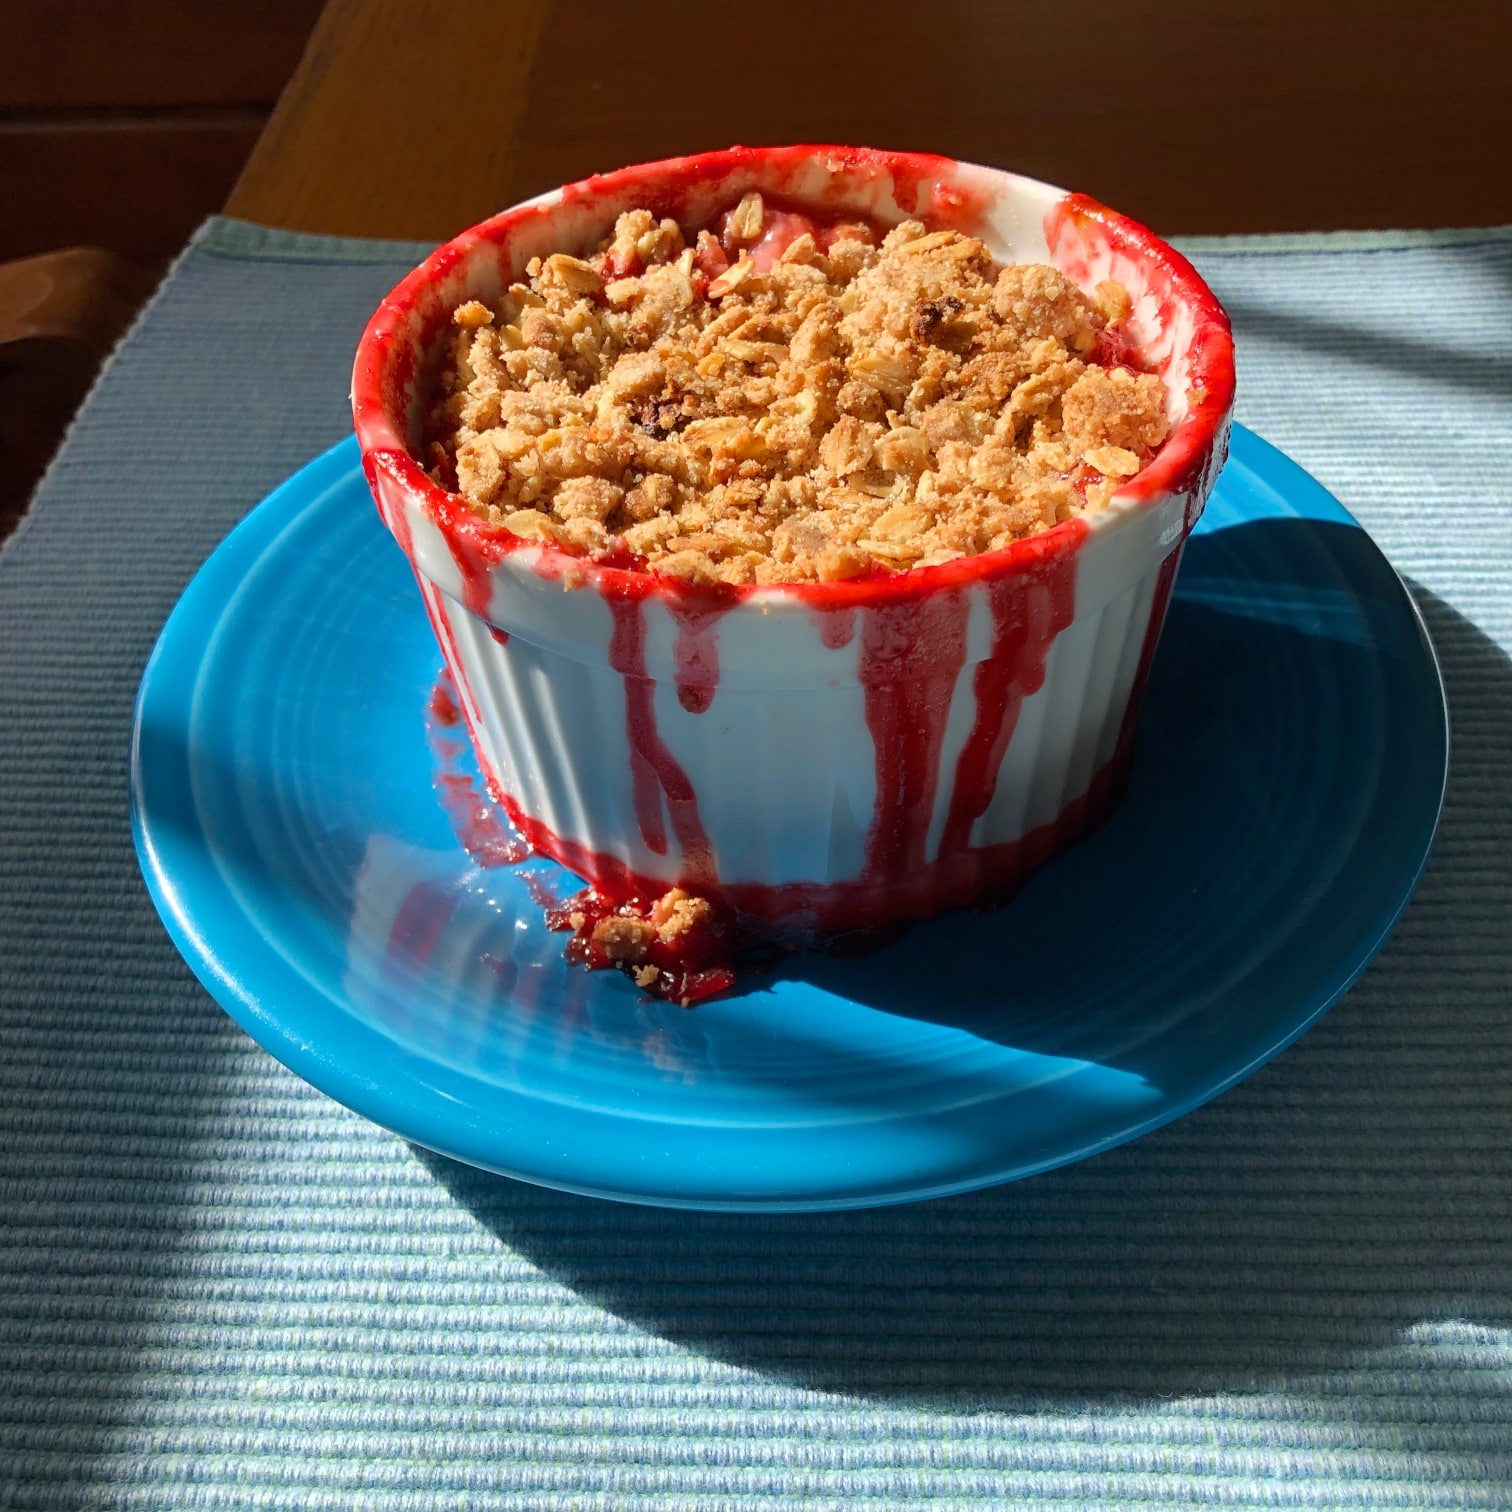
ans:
x=689 y=970
x=479 y=827
x=419 y=923
x=443 y=705
x=542 y=894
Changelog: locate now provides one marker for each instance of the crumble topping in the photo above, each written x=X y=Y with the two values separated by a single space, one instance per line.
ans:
x=789 y=401
x=676 y=947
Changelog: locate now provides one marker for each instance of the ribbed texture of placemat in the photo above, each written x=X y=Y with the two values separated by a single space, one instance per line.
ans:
x=219 y=1289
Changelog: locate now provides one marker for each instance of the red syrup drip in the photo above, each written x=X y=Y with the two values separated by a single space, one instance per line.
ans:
x=695 y=654
x=690 y=969
x=476 y=571
x=911 y=657
x=655 y=771
x=1160 y=603
x=912 y=653
x=805 y=915
x=837 y=627
x=1028 y=612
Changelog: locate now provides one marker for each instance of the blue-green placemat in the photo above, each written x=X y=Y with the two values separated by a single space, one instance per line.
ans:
x=220 y=1290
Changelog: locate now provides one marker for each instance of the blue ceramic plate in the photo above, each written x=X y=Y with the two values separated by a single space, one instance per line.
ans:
x=287 y=804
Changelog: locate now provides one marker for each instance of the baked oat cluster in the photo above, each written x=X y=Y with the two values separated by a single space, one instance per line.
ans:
x=629 y=938
x=780 y=400
x=678 y=946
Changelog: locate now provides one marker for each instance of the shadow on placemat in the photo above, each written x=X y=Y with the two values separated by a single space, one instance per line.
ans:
x=1482 y=373
x=1358 y=1187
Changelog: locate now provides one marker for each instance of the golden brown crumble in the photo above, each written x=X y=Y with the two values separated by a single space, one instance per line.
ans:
x=630 y=937
x=835 y=411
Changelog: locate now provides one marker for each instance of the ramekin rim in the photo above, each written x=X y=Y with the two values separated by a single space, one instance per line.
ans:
x=1174 y=468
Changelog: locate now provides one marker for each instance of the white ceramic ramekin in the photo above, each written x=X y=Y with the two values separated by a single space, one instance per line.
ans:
x=822 y=757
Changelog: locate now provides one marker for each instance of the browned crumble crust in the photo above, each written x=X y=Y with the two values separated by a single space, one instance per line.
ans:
x=864 y=408
x=631 y=938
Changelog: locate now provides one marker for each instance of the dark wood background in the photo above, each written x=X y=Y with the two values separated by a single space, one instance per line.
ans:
x=416 y=117
x=122 y=125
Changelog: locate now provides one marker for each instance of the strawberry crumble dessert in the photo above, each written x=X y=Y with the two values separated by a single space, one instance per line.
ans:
x=797 y=526
x=785 y=399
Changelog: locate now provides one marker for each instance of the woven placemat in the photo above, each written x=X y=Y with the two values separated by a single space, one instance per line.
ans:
x=222 y=1290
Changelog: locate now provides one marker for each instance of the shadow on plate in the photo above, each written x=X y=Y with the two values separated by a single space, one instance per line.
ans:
x=1286 y=673
x=1353 y=1189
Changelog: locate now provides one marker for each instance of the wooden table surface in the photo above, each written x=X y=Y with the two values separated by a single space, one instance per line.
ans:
x=415 y=118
